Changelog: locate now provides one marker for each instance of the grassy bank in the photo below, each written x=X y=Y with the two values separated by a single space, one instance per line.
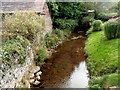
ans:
x=102 y=57
x=105 y=81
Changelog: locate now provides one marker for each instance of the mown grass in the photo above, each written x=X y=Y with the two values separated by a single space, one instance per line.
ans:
x=102 y=54
x=105 y=81
x=102 y=60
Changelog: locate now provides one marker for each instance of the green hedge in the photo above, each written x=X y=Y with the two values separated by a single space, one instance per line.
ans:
x=112 y=28
x=97 y=25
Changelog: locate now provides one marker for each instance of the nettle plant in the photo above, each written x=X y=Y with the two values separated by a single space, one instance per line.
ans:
x=112 y=28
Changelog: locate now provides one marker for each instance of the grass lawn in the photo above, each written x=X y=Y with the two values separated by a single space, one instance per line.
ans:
x=102 y=55
x=105 y=81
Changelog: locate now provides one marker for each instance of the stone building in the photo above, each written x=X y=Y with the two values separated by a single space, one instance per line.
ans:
x=12 y=6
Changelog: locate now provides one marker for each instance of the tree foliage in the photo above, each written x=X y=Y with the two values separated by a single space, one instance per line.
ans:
x=67 y=9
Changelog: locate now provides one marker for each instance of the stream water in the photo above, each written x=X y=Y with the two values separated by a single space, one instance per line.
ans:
x=78 y=78
x=67 y=67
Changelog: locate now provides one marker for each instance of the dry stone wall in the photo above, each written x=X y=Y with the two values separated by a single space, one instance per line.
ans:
x=13 y=75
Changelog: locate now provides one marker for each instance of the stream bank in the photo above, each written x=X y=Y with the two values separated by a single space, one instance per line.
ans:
x=66 y=65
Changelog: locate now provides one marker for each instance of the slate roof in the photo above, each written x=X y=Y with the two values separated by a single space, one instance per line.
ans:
x=11 y=6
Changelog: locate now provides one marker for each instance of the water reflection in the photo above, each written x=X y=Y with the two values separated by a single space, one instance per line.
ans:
x=79 y=77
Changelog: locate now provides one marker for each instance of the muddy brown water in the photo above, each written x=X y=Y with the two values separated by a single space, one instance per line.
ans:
x=67 y=68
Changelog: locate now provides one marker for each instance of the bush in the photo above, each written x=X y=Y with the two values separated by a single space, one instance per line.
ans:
x=66 y=33
x=14 y=51
x=85 y=22
x=112 y=28
x=59 y=33
x=25 y=24
x=97 y=25
x=41 y=55
x=51 y=40
x=69 y=24
x=106 y=16
x=67 y=9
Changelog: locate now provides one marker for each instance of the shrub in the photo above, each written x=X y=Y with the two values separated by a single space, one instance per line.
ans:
x=23 y=24
x=69 y=24
x=59 y=33
x=85 y=22
x=106 y=16
x=112 y=28
x=66 y=33
x=67 y=9
x=51 y=40
x=96 y=25
x=14 y=51
x=41 y=55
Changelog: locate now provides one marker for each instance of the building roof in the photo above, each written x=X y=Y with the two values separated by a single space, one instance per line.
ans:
x=12 y=6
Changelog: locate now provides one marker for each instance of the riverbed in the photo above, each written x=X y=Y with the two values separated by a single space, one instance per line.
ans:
x=67 y=66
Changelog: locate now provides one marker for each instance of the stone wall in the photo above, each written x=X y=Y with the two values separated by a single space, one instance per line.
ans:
x=13 y=75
